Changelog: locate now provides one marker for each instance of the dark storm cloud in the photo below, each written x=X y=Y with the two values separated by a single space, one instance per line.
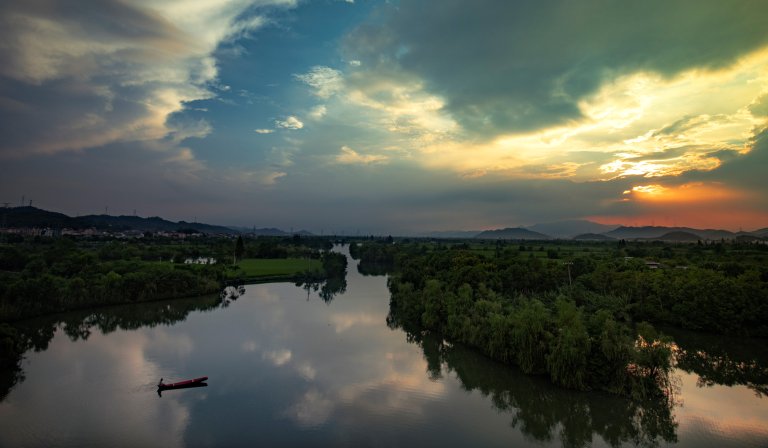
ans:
x=64 y=114
x=525 y=64
x=747 y=171
x=123 y=176
x=80 y=74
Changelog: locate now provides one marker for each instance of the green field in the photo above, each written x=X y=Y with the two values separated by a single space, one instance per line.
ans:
x=264 y=267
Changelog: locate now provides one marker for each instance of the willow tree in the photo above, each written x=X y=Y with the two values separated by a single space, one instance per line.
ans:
x=569 y=353
x=531 y=335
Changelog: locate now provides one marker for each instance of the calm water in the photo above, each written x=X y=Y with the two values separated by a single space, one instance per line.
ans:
x=288 y=368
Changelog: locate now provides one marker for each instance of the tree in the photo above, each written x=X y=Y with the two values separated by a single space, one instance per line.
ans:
x=567 y=360
x=531 y=336
x=239 y=248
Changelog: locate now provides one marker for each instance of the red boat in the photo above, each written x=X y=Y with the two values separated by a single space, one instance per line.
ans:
x=180 y=384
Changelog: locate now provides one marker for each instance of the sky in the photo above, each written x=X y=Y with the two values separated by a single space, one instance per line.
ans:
x=388 y=117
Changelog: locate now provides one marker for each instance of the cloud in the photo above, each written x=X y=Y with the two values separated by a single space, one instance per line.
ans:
x=126 y=175
x=271 y=178
x=289 y=123
x=635 y=109
x=640 y=124
x=278 y=357
x=743 y=170
x=351 y=157
x=318 y=112
x=263 y=177
x=109 y=71
x=325 y=80
x=686 y=193
x=181 y=128
x=759 y=108
x=313 y=410
x=344 y=321
x=525 y=65
x=307 y=371
x=263 y=131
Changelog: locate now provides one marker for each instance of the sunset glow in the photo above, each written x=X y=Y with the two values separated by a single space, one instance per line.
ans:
x=687 y=193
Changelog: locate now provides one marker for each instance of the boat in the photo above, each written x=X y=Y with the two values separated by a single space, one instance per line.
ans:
x=182 y=384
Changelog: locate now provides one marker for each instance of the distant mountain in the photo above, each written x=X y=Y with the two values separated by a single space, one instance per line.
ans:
x=747 y=238
x=16 y=217
x=762 y=233
x=271 y=231
x=451 y=234
x=593 y=237
x=35 y=217
x=679 y=236
x=266 y=231
x=570 y=228
x=513 y=233
x=637 y=232
x=713 y=234
x=656 y=232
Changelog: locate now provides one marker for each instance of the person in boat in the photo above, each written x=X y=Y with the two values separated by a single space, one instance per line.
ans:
x=160 y=384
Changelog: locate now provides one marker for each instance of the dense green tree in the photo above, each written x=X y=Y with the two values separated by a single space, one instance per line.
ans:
x=522 y=310
x=531 y=335
x=239 y=248
x=567 y=360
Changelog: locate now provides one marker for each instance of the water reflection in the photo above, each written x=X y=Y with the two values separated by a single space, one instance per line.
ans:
x=372 y=268
x=35 y=335
x=720 y=360
x=160 y=390
x=543 y=413
x=295 y=367
x=10 y=374
x=328 y=288
x=230 y=293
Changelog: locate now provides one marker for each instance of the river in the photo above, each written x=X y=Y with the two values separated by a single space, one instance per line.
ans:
x=292 y=366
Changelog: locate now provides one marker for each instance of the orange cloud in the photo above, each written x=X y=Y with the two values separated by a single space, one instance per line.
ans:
x=695 y=204
x=732 y=217
x=695 y=192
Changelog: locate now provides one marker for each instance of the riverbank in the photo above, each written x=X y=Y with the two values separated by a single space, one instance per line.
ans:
x=255 y=270
x=583 y=322
x=45 y=276
x=286 y=342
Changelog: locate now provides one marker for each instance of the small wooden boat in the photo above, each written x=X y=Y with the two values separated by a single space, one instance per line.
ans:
x=181 y=384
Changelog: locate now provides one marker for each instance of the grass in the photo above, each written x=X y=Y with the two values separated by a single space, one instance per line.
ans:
x=263 y=267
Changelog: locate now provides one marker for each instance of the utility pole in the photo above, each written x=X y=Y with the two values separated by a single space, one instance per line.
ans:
x=568 y=264
x=5 y=213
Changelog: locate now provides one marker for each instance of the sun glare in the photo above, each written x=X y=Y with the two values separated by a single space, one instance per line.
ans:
x=686 y=193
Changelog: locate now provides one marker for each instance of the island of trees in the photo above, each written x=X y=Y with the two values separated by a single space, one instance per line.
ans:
x=581 y=313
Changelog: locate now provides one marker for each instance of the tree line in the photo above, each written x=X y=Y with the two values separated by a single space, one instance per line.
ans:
x=46 y=275
x=586 y=322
